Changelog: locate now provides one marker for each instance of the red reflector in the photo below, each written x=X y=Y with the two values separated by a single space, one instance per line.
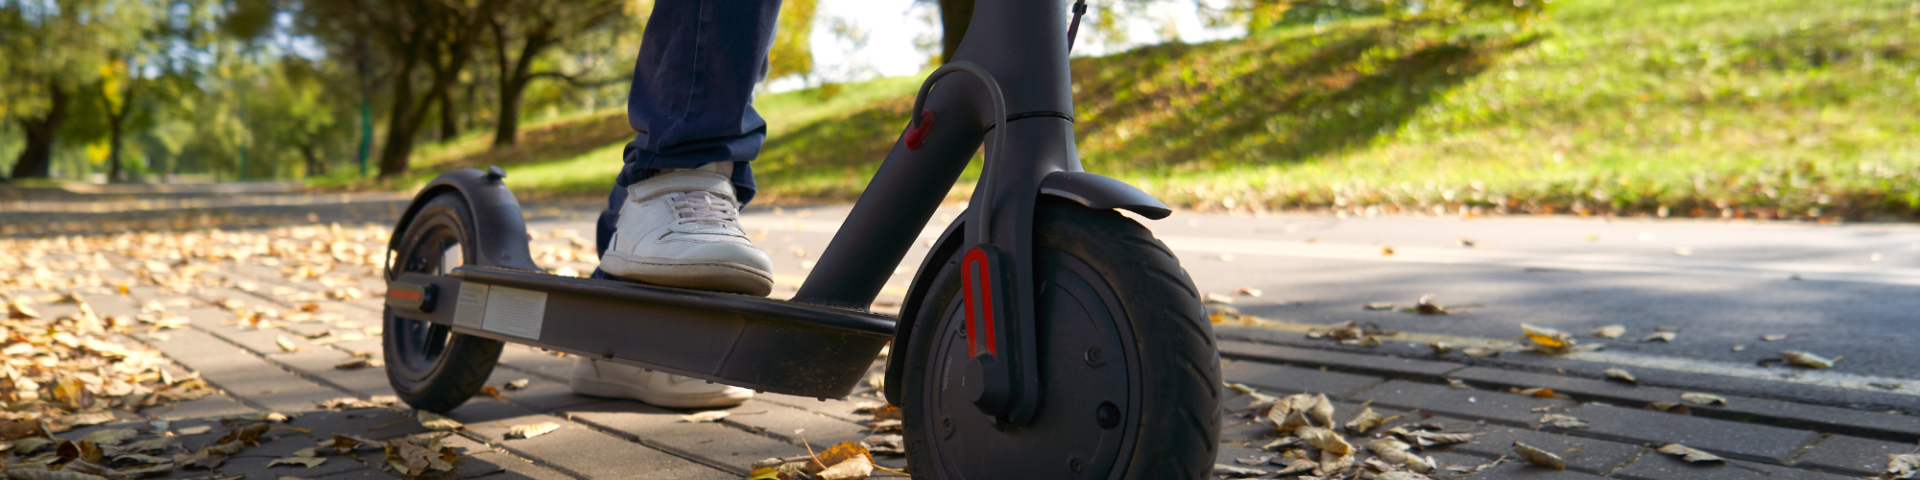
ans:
x=403 y=294
x=980 y=298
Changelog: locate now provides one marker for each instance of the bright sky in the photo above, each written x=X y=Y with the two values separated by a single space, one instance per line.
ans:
x=891 y=26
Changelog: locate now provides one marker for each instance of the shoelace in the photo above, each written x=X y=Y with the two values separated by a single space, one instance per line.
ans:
x=700 y=207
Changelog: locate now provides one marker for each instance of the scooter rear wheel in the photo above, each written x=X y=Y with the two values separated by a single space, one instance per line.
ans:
x=430 y=367
x=1129 y=374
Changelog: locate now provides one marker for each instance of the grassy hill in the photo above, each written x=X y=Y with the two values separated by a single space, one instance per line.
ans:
x=1756 y=108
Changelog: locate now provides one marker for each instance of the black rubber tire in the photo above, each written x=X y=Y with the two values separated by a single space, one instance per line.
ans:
x=464 y=363
x=1179 y=429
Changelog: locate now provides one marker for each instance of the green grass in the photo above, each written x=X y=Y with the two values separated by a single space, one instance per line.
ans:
x=1767 y=108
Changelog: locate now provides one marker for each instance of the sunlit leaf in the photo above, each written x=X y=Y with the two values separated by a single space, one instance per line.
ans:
x=1689 y=454
x=1539 y=457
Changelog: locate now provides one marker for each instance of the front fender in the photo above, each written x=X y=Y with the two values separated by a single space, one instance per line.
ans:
x=1087 y=189
x=501 y=230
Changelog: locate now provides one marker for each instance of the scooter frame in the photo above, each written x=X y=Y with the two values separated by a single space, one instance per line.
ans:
x=1015 y=86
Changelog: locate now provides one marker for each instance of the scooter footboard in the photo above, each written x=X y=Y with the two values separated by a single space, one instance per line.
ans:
x=752 y=342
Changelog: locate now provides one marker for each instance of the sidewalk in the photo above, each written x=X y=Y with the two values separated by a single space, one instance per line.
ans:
x=314 y=323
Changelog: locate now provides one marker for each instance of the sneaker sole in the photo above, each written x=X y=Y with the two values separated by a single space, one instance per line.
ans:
x=596 y=388
x=715 y=276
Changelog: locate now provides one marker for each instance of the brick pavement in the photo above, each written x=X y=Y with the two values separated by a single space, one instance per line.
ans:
x=617 y=439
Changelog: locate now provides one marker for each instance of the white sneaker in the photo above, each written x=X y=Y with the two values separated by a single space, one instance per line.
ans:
x=681 y=228
x=607 y=379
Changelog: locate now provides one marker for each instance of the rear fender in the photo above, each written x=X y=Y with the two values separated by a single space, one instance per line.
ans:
x=501 y=230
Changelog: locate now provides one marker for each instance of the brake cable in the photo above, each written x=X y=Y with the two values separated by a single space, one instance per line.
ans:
x=1079 y=8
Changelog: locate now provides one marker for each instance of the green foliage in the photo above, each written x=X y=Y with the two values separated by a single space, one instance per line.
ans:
x=792 y=52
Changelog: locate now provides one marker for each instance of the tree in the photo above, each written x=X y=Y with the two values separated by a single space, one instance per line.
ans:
x=537 y=26
x=437 y=35
x=49 y=48
x=792 y=52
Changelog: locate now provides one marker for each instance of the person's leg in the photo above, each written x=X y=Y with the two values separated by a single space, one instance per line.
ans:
x=671 y=218
x=690 y=108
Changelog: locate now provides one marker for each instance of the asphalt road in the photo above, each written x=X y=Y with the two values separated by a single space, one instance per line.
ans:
x=1835 y=290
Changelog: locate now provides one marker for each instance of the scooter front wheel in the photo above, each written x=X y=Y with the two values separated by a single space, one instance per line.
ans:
x=1129 y=374
x=430 y=367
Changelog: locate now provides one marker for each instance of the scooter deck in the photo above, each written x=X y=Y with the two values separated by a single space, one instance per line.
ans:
x=758 y=343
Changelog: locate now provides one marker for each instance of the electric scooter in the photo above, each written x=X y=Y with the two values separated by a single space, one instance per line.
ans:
x=1045 y=335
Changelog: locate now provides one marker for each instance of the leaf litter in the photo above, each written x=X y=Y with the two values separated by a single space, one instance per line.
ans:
x=1370 y=444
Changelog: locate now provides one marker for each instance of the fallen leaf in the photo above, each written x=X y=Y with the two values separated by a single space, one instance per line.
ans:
x=1426 y=306
x=1539 y=457
x=1902 y=466
x=707 y=416
x=307 y=461
x=1457 y=383
x=1481 y=352
x=1230 y=471
x=1563 y=421
x=436 y=422
x=1659 y=336
x=1703 y=399
x=1211 y=297
x=1670 y=407
x=517 y=384
x=1326 y=440
x=1610 y=331
x=886 y=444
x=1808 y=360
x=358 y=363
x=1689 y=454
x=1401 y=474
x=1547 y=340
x=110 y=437
x=1440 y=348
x=1621 y=375
x=1378 y=306
x=1368 y=419
x=285 y=344
x=532 y=430
x=1538 y=392
x=1248 y=292
x=1773 y=338
x=1386 y=251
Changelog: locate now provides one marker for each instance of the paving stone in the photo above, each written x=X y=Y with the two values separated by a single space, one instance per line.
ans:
x=533 y=361
x=1660 y=466
x=244 y=376
x=362 y=474
x=1267 y=376
x=372 y=423
x=1723 y=437
x=573 y=449
x=365 y=382
x=215 y=405
x=1465 y=403
x=1853 y=455
x=715 y=444
x=1349 y=362
x=540 y=394
x=780 y=421
x=514 y=468
x=1516 y=469
x=832 y=407
x=1775 y=412
x=1582 y=454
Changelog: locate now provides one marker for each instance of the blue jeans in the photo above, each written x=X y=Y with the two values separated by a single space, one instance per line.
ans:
x=692 y=94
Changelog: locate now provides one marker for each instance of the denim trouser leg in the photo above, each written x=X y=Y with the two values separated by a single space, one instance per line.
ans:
x=691 y=99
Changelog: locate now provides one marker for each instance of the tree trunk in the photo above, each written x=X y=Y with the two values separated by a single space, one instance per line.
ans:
x=506 y=128
x=35 y=160
x=314 y=165
x=400 y=127
x=954 y=16
x=449 y=119
x=114 y=174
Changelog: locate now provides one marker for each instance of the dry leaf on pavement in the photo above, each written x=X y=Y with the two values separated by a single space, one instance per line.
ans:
x=1808 y=360
x=419 y=455
x=1903 y=466
x=1703 y=399
x=1326 y=440
x=1689 y=454
x=1621 y=375
x=1610 y=331
x=1773 y=338
x=437 y=422
x=1440 y=348
x=1245 y=291
x=285 y=344
x=517 y=384
x=1563 y=421
x=308 y=461
x=1670 y=407
x=532 y=430
x=1539 y=457
x=1230 y=471
x=1368 y=419
x=1378 y=306
x=707 y=416
x=1547 y=340
x=1426 y=306
x=1659 y=336
x=358 y=363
